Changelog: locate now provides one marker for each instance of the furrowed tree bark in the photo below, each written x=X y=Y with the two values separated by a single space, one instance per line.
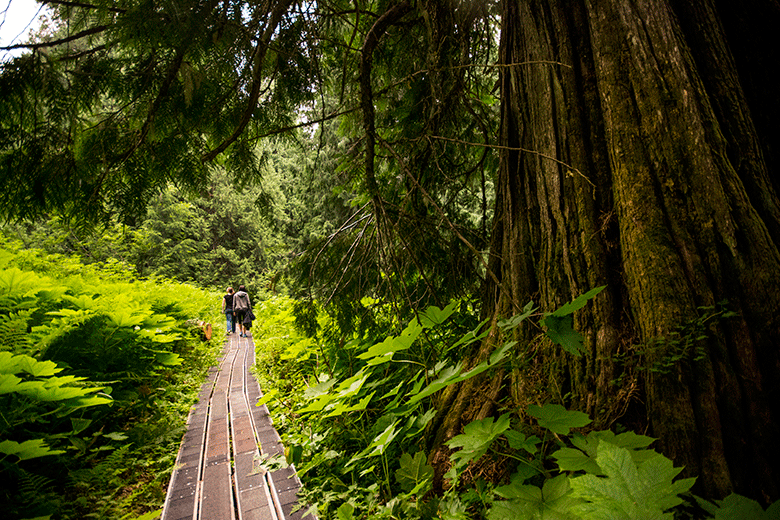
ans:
x=669 y=202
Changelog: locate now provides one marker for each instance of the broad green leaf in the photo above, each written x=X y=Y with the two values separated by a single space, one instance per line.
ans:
x=588 y=449
x=82 y=301
x=446 y=378
x=629 y=490
x=9 y=383
x=378 y=445
x=560 y=331
x=520 y=492
x=394 y=390
x=79 y=425
x=394 y=343
x=553 y=501
x=342 y=408
x=477 y=438
x=39 y=368
x=571 y=459
x=577 y=303
x=558 y=419
x=121 y=318
x=168 y=358
x=84 y=402
x=381 y=359
x=267 y=396
x=629 y=440
x=14 y=281
x=319 y=404
x=415 y=424
x=413 y=471
x=472 y=336
x=453 y=509
x=452 y=375
x=345 y=511
x=10 y=364
x=351 y=386
x=519 y=441
x=55 y=393
x=151 y=515
x=319 y=389
x=500 y=353
x=509 y=510
x=525 y=471
x=383 y=440
x=433 y=315
x=28 y=449
x=517 y=319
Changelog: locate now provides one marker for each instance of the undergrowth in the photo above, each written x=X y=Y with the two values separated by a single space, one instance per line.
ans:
x=98 y=370
x=356 y=417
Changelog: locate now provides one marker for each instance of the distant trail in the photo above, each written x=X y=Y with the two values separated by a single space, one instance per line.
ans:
x=218 y=474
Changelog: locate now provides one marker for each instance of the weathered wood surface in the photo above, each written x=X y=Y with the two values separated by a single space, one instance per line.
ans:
x=217 y=474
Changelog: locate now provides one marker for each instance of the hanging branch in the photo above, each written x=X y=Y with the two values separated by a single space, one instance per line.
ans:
x=257 y=69
x=391 y=16
x=54 y=43
x=83 y=5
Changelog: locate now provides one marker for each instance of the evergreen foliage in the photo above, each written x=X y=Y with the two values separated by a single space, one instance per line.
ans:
x=147 y=115
x=120 y=100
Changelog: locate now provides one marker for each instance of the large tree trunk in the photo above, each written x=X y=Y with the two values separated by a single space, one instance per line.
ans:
x=633 y=161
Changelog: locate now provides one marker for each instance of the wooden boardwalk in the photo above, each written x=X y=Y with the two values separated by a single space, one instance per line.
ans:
x=218 y=474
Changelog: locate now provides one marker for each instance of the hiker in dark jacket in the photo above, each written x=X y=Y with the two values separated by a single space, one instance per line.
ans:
x=241 y=305
x=227 y=309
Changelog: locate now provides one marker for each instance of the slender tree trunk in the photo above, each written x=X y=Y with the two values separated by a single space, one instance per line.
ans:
x=634 y=162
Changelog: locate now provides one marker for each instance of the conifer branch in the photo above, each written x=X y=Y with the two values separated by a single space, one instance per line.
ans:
x=452 y=226
x=83 y=5
x=54 y=43
x=370 y=42
x=257 y=69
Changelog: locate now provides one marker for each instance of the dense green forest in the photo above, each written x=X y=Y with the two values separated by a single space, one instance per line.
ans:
x=517 y=259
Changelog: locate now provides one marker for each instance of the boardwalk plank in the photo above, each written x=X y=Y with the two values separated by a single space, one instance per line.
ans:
x=218 y=474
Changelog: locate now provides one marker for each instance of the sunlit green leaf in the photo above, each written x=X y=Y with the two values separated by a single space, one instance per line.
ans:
x=433 y=315
x=26 y=450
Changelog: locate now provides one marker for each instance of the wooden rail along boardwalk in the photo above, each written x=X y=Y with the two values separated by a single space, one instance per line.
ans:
x=217 y=474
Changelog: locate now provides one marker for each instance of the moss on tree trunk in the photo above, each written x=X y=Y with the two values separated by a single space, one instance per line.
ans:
x=632 y=161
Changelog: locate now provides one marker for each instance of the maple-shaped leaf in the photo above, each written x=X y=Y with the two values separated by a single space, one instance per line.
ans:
x=414 y=471
x=476 y=438
x=558 y=419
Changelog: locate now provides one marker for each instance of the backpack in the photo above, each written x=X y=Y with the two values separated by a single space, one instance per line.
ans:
x=241 y=301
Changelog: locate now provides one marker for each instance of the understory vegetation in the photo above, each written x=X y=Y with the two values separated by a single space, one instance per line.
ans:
x=394 y=180
x=98 y=370
x=357 y=418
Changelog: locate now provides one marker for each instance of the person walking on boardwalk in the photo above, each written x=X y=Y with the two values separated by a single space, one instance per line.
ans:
x=227 y=309
x=241 y=305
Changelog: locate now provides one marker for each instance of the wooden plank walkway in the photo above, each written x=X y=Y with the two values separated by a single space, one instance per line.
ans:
x=218 y=474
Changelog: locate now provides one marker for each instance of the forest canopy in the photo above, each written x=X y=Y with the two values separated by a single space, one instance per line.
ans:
x=495 y=152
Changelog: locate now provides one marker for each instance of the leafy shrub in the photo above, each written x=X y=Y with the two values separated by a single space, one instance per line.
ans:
x=356 y=417
x=97 y=373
